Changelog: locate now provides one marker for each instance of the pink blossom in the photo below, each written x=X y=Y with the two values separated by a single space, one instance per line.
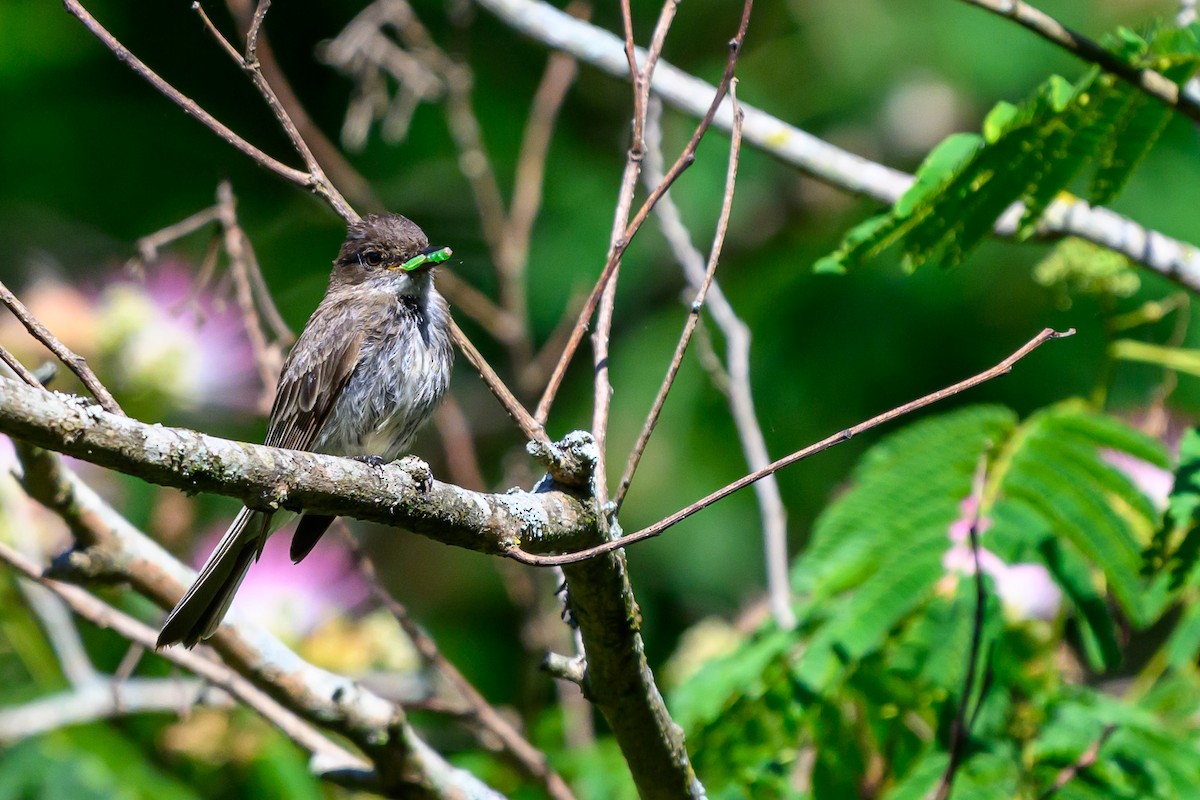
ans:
x=1027 y=591
x=162 y=335
x=1154 y=482
x=293 y=600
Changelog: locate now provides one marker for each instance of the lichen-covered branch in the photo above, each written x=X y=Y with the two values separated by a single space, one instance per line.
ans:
x=404 y=495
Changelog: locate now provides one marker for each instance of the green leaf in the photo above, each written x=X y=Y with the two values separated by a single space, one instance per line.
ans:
x=1028 y=153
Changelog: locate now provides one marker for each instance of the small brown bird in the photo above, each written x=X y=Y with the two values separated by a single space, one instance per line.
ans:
x=367 y=371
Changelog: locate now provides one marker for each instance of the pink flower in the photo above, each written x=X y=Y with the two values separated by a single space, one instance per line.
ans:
x=293 y=600
x=1027 y=591
x=163 y=336
x=1154 y=482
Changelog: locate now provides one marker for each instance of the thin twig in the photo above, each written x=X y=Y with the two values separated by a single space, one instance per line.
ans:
x=529 y=176
x=1155 y=84
x=267 y=356
x=1003 y=368
x=686 y=158
x=94 y=701
x=340 y=171
x=693 y=317
x=602 y=385
x=528 y=425
x=149 y=245
x=1085 y=760
x=16 y=366
x=732 y=379
x=189 y=106
x=960 y=729
x=315 y=179
x=74 y=362
x=532 y=760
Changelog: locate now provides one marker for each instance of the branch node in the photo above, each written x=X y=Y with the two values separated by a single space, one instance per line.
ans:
x=570 y=462
x=566 y=668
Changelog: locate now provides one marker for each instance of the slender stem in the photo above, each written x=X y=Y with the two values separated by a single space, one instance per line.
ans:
x=184 y=102
x=685 y=160
x=960 y=729
x=693 y=317
x=16 y=366
x=74 y=362
x=602 y=385
x=1003 y=368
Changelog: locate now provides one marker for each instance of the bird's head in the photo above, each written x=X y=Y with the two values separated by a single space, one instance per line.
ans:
x=387 y=251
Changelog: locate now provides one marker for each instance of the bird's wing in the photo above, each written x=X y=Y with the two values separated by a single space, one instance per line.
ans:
x=311 y=383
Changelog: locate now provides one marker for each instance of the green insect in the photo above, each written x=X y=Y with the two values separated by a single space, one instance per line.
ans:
x=434 y=256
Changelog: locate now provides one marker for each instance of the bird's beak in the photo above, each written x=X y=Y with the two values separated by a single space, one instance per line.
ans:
x=425 y=258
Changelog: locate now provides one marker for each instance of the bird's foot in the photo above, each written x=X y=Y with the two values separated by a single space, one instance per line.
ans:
x=373 y=461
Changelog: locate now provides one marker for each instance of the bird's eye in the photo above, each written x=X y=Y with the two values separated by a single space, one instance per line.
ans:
x=373 y=258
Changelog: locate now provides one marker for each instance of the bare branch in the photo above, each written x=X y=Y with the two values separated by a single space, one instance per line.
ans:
x=18 y=368
x=960 y=729
x=96 y=700
x=315 y=180
x=340 y=171
x=1003 y=368
x=267 y=356
x=693 y=317
x=99 y=613
x=184 y=102
x=682 y=163
x=404 y=494
x=74 y=362
x=731 y=379
x=109 y=550
x=565 y=668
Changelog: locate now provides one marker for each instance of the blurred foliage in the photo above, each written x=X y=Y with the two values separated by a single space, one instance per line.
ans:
x=1092 y=617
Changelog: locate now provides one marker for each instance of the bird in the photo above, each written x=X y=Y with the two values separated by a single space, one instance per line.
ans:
x=369 y=368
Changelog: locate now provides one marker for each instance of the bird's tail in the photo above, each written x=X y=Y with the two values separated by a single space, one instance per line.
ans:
x=198 y=615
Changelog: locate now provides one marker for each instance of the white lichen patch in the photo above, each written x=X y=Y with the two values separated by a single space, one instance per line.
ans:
x=530 y=515
x=582 y=446
x=480 y=503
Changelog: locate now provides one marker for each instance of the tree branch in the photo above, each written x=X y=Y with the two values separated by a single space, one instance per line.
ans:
x=74 y=362
x=732 y=379
x=1003 y=368
x=110 y=550
x=96 y=611
x=404 y=495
